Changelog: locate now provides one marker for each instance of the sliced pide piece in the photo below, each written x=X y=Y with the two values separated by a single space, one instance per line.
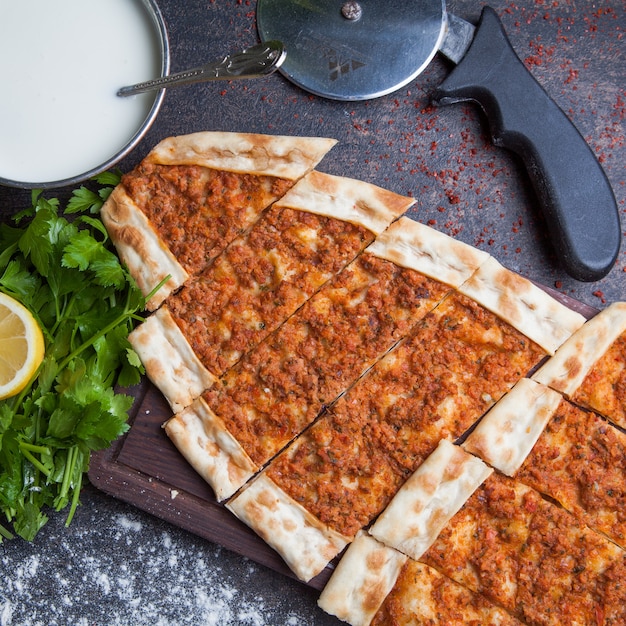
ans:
x=193 y=194
x=376 y=585
x=305 y=544
x=531 y=557
x=570 y=454
x=363 y=578
x=526 y=307
x=580 y=461
x=479 y=352
x=169 y=361
x=590 y=368
x=265 y=275
x=278 y=389
x=429 y=498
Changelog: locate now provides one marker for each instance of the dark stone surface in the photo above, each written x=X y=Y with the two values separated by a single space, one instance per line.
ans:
x=117 y=565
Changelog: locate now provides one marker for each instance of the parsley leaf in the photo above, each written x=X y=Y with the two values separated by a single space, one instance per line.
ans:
x=66 y=272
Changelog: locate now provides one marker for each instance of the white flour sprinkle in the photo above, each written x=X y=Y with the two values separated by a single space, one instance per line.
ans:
x=128 y=524
x=129 y=569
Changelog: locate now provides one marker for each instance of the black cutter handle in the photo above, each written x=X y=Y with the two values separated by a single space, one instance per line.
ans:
x=576 y=196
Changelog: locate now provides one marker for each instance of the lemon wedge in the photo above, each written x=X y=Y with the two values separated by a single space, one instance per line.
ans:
x=21 y=346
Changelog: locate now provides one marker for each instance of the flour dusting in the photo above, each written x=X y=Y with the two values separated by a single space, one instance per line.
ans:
x=127 y=568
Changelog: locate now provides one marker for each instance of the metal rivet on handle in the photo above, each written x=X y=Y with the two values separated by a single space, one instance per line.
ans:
x=351 y=10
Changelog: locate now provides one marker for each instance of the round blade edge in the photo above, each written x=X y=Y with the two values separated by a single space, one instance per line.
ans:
x=343 y=59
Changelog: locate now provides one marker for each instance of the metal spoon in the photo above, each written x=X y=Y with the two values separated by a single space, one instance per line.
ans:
x=259 y=60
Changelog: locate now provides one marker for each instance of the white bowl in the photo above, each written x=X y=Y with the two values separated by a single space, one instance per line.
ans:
x=62 y=63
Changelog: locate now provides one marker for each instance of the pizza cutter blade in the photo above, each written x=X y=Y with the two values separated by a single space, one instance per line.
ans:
x=363 y=49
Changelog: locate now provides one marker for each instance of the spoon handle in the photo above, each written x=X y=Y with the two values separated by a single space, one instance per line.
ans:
x=259 y=60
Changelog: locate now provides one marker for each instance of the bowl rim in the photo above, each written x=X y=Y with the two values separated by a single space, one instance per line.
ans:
x=156 y=16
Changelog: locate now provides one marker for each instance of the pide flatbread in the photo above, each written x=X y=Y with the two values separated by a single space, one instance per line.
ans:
x=429 y=498
x=193 y=194
x=379 y=586
x=324 y=357
x=531 y=557
x=305 y=544
x=590 y=368
x=523 y=305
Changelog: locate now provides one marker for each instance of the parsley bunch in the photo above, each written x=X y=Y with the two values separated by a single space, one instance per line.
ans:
x=67 y=273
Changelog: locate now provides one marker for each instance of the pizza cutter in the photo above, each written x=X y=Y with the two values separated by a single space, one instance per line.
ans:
x=362 y=49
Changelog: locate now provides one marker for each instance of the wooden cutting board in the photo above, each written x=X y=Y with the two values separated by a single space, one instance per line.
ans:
x=144 y=469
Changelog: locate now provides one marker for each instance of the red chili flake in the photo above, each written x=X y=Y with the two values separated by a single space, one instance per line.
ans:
x=599 y=294
x=558 y=284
